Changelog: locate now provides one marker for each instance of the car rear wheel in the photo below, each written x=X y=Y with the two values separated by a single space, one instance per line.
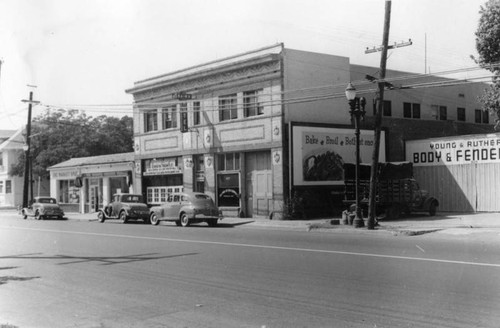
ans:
x=184 y=220
x=154 y=219
x=123 y=217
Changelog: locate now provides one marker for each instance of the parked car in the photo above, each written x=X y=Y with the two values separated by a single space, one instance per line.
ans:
x=43 y=208
x=125 y=207
x=186 y=208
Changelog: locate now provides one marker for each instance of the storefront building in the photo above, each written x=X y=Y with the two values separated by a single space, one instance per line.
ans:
x=87 y=183
x=225 y=127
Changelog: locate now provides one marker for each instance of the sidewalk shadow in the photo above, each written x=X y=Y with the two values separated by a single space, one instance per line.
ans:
x=417 y=217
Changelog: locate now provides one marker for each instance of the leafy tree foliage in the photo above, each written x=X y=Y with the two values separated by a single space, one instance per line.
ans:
x=60 y=135
x=488 y=48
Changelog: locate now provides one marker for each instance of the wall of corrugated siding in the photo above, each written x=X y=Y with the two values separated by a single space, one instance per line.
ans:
x=462 y=188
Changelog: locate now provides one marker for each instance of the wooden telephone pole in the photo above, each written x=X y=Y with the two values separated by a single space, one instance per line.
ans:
x=27 y=171
x=378 y=118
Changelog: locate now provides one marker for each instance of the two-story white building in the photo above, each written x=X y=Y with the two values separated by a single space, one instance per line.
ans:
x=11 y=187
x=249 y=129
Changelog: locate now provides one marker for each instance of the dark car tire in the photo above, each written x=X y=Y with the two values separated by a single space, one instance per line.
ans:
x=212 y=223
x=154 y=219
x=37 y=215
x=433 y=209
x=184 y=220
x=23 y=213
x=123 y=217
x=101 y=217
x=178 y=223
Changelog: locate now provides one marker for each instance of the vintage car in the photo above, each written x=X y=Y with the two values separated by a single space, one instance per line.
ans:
x=186 y=208
x=43 y=208
x=125 y=207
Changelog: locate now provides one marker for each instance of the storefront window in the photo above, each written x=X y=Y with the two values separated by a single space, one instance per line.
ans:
x=68 y=192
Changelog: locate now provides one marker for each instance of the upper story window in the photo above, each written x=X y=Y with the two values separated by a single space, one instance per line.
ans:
x=169 y=117
x=1 y=187
x=8 y=186
x=461 y=114
x=411 y=110
x=443 y=113
x=151 y=121
x=251 y=103
x=196 y=113
x=228 y=109
x=387 y=108
x=481 y=116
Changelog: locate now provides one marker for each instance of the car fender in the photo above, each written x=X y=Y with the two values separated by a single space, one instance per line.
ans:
x=188 y=210
x=101 y=210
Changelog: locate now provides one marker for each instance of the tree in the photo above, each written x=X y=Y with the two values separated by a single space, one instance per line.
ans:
x=488 y=48
x=60 y=135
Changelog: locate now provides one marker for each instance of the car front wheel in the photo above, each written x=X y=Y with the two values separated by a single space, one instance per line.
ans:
x=100 y=217
x=212 y=223
x=154 y=219
x=184 y=220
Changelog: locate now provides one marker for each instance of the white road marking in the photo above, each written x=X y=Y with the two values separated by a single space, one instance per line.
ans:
x=420 y=248
x=310 y=250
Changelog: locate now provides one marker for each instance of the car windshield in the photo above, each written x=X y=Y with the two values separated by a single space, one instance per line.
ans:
x=47 y=200
x=198 y=196
x=132 y=199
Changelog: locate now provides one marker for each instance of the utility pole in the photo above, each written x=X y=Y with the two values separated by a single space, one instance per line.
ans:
x=378 y=118
x=27 y=174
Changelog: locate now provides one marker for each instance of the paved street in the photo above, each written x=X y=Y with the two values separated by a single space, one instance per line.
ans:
x=78 y=273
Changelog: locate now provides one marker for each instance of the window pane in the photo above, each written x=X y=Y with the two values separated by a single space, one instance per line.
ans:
x=477 y=116
x=196 y=113
x=416 y=110
x=150 y=121
x=387 y=108
x=442 y=113
x=461 y=114
x=486 y=117
x=227 y=107
x=407 y=110
x=251 y=104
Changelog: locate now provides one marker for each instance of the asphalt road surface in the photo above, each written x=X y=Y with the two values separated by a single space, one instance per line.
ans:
x=90 y=274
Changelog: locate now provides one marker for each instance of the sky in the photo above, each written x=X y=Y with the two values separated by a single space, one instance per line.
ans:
x=85 y=53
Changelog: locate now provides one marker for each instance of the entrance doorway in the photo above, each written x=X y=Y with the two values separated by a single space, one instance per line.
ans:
x=259 y=183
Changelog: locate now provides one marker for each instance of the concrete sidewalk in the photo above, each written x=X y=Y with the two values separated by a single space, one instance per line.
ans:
x=413 y=225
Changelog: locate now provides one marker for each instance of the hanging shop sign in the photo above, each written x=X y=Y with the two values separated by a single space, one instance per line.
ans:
x=162 y=166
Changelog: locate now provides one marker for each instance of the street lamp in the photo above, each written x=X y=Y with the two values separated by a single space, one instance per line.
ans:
x=357 y=111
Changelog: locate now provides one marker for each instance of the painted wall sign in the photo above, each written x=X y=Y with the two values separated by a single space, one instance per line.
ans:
x=454 y=151
x=320 y=152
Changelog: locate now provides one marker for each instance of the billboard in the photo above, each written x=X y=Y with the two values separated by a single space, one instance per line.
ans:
x=454 y=151
x=319 y=153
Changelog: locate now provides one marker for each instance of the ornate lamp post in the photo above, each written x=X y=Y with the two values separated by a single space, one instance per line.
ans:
x=357 y=111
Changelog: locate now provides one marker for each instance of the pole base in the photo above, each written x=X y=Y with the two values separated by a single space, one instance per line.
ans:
x=358 y=221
